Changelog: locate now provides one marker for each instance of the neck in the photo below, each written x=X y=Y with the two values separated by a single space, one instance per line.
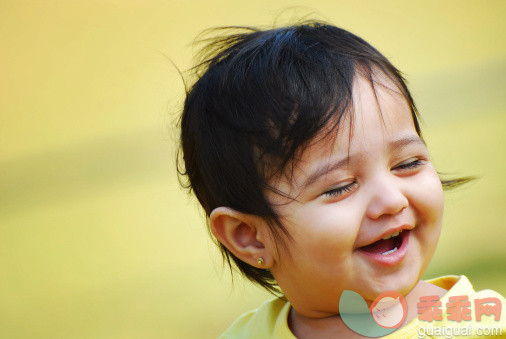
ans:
x=333 y=326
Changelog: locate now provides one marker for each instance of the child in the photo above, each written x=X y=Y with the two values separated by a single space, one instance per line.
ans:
x=303 y=146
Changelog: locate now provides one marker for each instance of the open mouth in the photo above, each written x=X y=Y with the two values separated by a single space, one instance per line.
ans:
x=388 y=250
x=385 y=246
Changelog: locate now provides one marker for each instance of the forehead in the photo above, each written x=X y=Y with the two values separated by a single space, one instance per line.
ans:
x=379 y=114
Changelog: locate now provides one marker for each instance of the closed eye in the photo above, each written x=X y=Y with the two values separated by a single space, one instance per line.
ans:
x=338 y=191
x=410 y=164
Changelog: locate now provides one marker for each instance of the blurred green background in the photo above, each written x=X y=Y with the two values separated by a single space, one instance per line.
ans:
x=97 y=240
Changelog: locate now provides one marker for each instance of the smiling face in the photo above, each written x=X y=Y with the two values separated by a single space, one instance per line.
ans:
x=352 y=189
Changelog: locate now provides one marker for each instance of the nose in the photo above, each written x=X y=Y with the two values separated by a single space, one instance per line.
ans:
x=387 y=198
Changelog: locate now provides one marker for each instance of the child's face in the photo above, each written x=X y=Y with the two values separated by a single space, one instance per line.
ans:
x=373 y=186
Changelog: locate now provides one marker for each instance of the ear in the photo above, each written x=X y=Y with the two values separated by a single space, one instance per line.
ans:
x=245 y=235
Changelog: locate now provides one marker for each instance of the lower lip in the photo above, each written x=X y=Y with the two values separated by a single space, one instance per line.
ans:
x=391 y=259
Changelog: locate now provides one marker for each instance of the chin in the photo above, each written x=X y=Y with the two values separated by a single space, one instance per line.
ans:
x=402 y=282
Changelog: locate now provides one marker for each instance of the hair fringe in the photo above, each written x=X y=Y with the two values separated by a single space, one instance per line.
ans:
x=450 y=184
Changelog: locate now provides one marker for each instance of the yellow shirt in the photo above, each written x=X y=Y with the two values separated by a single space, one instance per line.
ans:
x=270 y=320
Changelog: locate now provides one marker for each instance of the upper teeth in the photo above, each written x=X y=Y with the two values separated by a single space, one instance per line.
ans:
x=391 y=235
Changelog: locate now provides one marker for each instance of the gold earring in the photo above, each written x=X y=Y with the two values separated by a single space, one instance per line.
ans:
x=260 y=261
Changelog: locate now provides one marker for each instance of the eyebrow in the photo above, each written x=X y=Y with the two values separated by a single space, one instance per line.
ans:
x=329 y=167
x=401 y=143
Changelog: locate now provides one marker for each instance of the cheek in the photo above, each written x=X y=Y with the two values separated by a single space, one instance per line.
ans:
x=324 y=229
x=435 y=197
x=430 y=200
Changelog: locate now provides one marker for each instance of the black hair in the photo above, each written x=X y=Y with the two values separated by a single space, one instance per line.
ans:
x=260 y=97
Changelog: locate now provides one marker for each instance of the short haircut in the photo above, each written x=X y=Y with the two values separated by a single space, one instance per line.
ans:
x=261 y=96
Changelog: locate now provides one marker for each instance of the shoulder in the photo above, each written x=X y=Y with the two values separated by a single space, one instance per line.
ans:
x=464 y=312
x=460 y=285
x=460 y=294
x=268 y=321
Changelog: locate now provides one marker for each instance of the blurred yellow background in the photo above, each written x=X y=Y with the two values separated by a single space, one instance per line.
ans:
x=97 y=240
